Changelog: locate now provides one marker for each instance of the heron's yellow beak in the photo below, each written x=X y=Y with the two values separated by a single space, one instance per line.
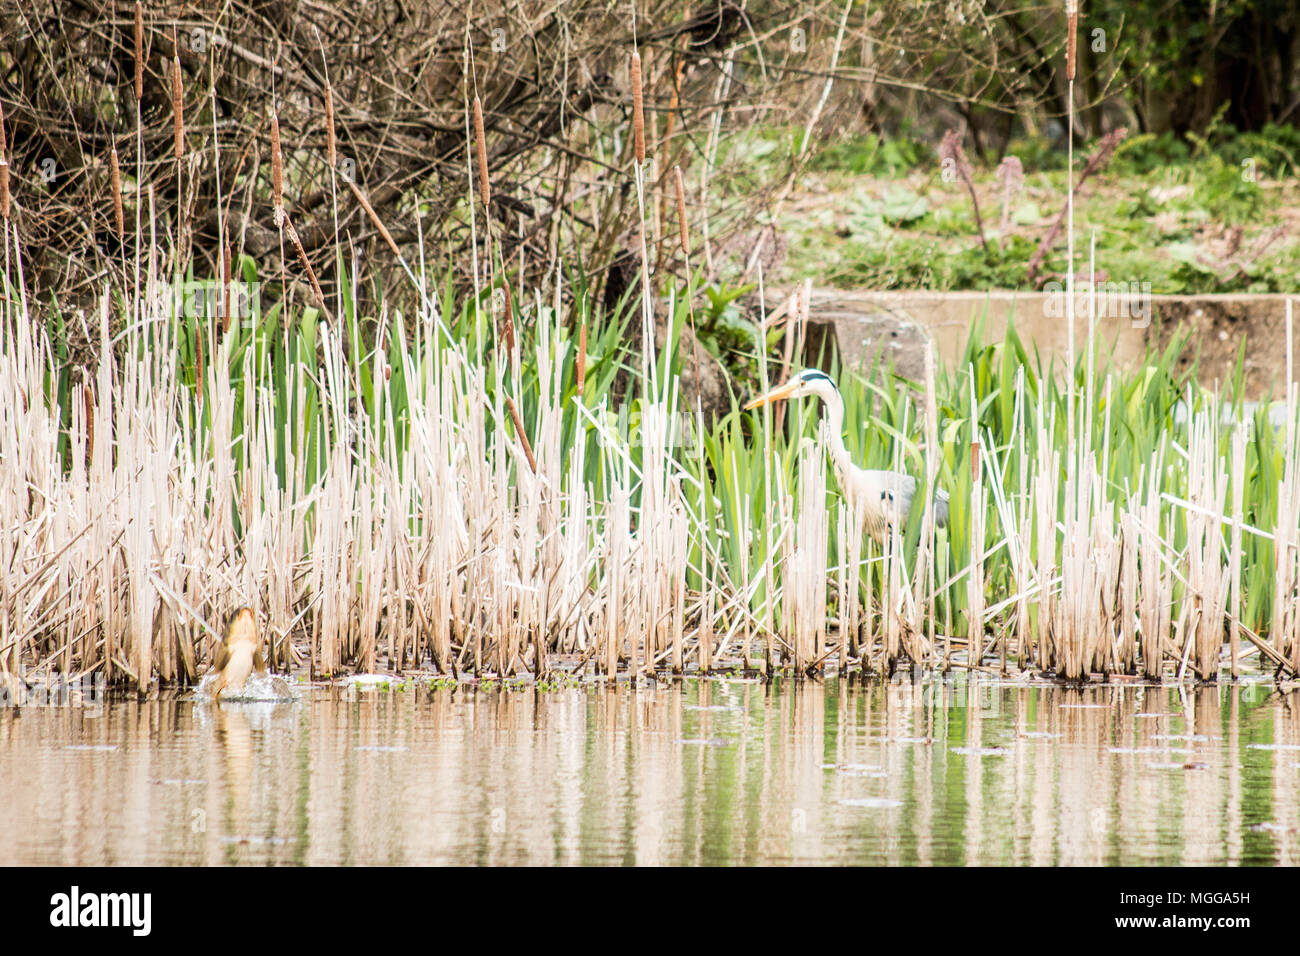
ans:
x=781 y=391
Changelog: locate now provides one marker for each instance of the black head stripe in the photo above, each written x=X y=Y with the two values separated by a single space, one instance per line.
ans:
x=813 y=375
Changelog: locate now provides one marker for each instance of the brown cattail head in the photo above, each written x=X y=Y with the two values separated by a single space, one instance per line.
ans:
x=88 y=395
x=519 y=430
x=975 y=459
x=4 y=188
x=480 y=148
x=681 y=210
x=510 y=315
x=198 y=364
x=374 y=216
x=139 y=51
x=1071 y=42
x=581 y=371
x=277 y=167
x=331 y=141
x=296 y=242
x=178 y=103
x=638 y=109
x=226 y=283
x=116 y=174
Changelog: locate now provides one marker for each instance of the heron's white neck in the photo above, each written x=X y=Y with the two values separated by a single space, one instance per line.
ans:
x=834 y=425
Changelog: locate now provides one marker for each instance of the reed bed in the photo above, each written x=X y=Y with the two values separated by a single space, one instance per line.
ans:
x=424 y=508
x=444 y=492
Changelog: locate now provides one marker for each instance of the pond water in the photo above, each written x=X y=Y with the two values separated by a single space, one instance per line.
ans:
x=689 y=772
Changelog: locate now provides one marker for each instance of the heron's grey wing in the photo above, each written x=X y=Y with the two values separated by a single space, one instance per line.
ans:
x=901 y=489
x=941 y=508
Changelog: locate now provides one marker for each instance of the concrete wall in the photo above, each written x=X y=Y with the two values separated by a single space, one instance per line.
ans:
x=1129 y=324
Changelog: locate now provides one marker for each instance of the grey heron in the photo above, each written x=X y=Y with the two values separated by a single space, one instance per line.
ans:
x=884 y=497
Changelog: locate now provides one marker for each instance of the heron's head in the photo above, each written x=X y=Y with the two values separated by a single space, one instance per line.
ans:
x=808 y=382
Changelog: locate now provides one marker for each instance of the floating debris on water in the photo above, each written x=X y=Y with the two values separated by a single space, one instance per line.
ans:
x=90 y=747
x=714 y=707
x=1271 y=827
x=981 y=751
x=705 y=741
x=1273 y=746
x=862 y=770
x=871 y=803
x=178 y=782
x=381 y=749
x=1039 y=735
x=370 y=681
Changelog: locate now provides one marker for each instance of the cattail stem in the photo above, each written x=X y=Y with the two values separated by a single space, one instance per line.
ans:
x=4 y=188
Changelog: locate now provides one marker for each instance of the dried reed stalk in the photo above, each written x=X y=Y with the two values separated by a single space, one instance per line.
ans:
x=1234 y=570
x=4 y=188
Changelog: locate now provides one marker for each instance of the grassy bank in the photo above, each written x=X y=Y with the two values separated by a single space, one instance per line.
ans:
x=1215 y=215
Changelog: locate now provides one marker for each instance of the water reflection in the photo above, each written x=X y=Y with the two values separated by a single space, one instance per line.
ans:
x=695 y=772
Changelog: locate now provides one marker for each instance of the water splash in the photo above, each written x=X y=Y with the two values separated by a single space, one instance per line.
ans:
x=261 y=686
